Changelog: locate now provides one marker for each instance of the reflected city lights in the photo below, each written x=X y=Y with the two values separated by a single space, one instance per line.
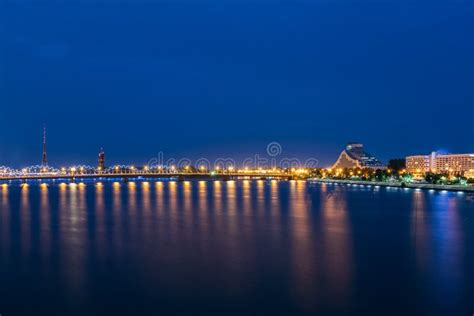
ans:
x=308 y=238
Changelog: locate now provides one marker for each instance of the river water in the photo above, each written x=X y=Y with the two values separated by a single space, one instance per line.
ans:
x=234 y=248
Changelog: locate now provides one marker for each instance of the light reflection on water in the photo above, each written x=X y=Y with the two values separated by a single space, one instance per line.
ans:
x=288 y=247
x=337 y=244
x=440 y=245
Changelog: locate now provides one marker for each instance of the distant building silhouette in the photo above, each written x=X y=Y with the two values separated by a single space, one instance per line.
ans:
x=354 y=156
x=101 y=164
x=44 y=161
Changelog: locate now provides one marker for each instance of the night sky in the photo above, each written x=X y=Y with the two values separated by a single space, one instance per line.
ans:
x=213 y=78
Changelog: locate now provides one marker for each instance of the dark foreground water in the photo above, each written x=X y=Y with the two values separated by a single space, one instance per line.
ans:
x=234 y=248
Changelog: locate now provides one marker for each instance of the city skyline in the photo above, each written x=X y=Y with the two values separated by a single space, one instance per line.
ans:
x=89 y=159
x=353 y=156
x=161 y=156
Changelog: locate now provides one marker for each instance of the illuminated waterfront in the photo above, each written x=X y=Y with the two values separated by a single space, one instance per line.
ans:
x=233 y=247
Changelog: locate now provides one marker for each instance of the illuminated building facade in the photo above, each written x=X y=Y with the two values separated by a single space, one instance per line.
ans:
x=452 y=164
x=418 y=164
x=354 y=156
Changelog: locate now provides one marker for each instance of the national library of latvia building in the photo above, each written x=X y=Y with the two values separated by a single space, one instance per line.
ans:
x=354 y=156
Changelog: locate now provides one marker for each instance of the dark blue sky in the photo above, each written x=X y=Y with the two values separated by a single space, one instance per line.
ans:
x=225 y=77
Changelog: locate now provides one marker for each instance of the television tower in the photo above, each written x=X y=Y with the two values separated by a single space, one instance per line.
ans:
x=44 y=161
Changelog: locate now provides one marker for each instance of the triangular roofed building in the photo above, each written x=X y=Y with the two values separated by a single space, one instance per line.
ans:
x=354 y=156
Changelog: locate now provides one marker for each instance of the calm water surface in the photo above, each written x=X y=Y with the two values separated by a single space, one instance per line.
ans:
x=234 y=248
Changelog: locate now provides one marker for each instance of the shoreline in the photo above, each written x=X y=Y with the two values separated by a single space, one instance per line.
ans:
x=424 y=186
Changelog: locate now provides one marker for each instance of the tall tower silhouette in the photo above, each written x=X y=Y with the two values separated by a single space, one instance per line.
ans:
x=44 y=161
x=101 y=161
